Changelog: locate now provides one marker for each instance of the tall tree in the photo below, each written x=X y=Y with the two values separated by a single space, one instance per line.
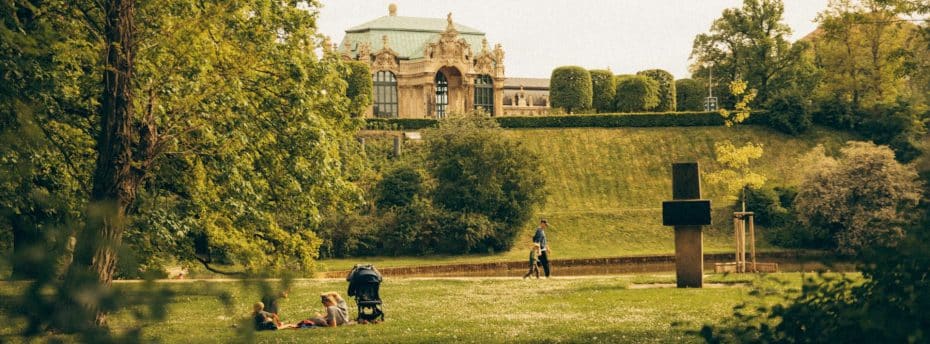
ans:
x=865 y=50
x=751 y=43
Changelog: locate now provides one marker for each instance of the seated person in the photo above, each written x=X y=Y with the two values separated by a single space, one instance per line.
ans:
x=340 y=302
x=334 y=315
x=264 y=321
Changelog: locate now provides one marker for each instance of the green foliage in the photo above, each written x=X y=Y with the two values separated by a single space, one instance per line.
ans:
x=399 y=123
x=359 y=86
x=788 y=113
x=399 y=187
x=479 y=172
x=835 y=113
x=618 y=120
x=898 y=125
x=604 y=88
x=865 y=198
x=865 y=52
x=667 y=92
x=889 y=306
x=570 y=89
x=737 y=173
x=636 y=93
x=689 y=95
x=751 y=43
x=765 y=203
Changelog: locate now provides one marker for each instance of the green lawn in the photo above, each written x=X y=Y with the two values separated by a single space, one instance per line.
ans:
x=606 y=187
x=485 y=310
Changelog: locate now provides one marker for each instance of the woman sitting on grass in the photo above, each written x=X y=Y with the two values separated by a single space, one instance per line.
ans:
x=335 y=315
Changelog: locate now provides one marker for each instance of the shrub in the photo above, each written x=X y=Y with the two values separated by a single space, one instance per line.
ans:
x=887 y=306
x=399 y=123
x=689 y=95
x=897 y=125
x=864 y=198
x=667 y=93
x=478 y=171
x=604 y=88
x=636 y=93
x=766 y=205
x=399 y=187
x=570 y=89
x=835 y=113
x=789 y=113
x=359 y=86
x=674 y=119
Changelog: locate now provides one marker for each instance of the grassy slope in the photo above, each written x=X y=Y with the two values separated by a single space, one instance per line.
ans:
x=606 y=186
x=577 y=310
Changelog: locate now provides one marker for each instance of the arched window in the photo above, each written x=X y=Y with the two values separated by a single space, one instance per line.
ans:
x=385 y=102
x=484 y=93
x=442 y=94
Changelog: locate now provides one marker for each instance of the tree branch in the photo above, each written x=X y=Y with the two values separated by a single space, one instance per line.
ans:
x=207 y=266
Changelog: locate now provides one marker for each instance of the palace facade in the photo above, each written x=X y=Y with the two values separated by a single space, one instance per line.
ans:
x=431 y=68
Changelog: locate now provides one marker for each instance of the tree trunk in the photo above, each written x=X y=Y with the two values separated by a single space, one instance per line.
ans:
x=115 y=180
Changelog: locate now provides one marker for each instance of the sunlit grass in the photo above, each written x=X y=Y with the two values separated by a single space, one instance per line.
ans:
x=484 y=310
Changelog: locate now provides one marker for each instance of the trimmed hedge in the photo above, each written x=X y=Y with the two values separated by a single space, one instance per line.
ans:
x=399 y=123
x=570 y=89
x=636 y=93
x=689 y=95
x=611 y=120
x=666 y=83
x=604 y=87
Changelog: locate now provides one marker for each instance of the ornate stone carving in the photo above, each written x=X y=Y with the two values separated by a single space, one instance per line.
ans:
x=364 y=52
x=450 y=49
x=386 y=58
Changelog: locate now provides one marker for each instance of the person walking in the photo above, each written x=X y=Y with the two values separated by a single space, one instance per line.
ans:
x=534 y=261
x=540 y=238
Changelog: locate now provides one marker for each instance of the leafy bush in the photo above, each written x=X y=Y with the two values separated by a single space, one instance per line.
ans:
x=480 y=172
x=667 y=92
x=399 y=123
x=618 y=120
x=689 y=95
x=766 y=205
x=835 y=113
x=359 y=86
x=864 y=198
x=898 y=125
x=889 y=306
x=570 y=89
x=636 y=93
x=604 y=88
x=399 y=187
x=789 y=113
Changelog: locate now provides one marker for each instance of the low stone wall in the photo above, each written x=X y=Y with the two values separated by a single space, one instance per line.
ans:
x=631 y=262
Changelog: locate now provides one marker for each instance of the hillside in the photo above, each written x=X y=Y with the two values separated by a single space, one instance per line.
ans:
x=606 y=186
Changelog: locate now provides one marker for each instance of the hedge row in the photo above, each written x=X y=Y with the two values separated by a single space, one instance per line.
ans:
x=611 y=120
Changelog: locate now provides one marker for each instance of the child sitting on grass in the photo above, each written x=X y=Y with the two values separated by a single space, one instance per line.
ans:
x=534 y=261
x=264 y=321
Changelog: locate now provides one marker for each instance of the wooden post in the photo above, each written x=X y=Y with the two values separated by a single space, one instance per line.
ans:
x=396 y=146
x=687 y=213
x=752 y=242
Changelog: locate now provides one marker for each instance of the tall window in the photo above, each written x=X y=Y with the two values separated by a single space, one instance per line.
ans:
x=484 y=93
x=385 y=94
x=442 y=95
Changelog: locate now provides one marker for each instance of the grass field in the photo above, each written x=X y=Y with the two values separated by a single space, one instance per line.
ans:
x=606 y=186
x=483 y=310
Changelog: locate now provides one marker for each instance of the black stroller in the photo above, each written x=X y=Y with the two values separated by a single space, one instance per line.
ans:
x=364 y=282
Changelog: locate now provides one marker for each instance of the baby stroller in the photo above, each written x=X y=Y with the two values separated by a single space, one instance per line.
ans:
x=364 y=281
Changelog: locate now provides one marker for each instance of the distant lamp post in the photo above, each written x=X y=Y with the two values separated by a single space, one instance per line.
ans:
x=710 y=103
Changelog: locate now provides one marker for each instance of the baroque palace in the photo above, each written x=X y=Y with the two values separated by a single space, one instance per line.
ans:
x=430 y=68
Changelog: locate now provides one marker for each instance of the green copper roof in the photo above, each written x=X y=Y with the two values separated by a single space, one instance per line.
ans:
x=407 y=36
